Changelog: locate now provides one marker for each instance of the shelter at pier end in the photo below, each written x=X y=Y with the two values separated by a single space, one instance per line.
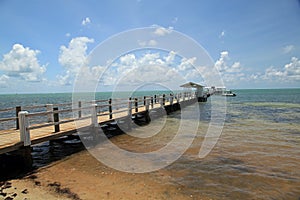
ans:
x=199 y=91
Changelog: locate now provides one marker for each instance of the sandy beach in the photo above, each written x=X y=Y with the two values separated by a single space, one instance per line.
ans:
x=89 y=179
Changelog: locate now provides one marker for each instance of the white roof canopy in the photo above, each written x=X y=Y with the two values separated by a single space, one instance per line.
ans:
x=192 y=85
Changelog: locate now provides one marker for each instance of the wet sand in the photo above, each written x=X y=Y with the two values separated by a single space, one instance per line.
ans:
x=89 y=179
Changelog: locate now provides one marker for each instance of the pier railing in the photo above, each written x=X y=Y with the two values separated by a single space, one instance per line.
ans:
x=94 y=111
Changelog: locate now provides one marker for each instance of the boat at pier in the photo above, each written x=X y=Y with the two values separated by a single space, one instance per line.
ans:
x=228 y=93
x=222 y=91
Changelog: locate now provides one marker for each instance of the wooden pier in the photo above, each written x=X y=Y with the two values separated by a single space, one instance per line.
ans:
x=100 y=112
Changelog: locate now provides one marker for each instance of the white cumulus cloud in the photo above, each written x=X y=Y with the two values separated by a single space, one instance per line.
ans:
x=290 y=72
x=292 y=69
x=224 y=67
x=162 y=31
x=22 y=62
x=151 y=67
x=72 y=58
x=230 y=73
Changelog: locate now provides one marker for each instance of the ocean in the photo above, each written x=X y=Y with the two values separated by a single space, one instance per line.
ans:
x=256 y=157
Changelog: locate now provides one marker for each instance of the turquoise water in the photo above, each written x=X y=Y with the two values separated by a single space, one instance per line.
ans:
x=278 y=105
x=12 y=100
x=27 y=100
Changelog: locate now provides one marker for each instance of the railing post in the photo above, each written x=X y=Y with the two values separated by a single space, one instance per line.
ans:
x=164 y=99
x=155 y=100
x=136 y=105
x=152 y=102
x=171 y=99
x=110 y=109
x=24 y=132
x=18 y=109
x=145 y=100
x=147 y=103
x=147 y=116
x=94 y=115
x=56 y=119
x=79 y=111
x=129 y=107
x=49 y=108
x=161 y=101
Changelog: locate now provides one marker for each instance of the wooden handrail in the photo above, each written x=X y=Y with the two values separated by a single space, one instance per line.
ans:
x=110 y=104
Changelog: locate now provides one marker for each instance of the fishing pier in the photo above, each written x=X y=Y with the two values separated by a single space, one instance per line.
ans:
x=58 y=120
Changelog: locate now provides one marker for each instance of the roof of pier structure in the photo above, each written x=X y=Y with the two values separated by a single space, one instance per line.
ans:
x=192 y=85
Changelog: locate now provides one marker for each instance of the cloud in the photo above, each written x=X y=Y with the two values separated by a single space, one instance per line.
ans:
x=290 y=72
x=4 y=81
x=170 y=57
x=161 y=31
x=68 y=34
x=86 y=21
x=223 y=66
x=187 y=64
x=147 y=43
x=22 y=62
x=233 y=75
x=230 y=73
x=72 y=58
x=151 y=67
x=292 y=69
x=287 y=49
x=65 y=79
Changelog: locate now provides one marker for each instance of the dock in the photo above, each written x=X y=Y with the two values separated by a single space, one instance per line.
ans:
x=36 y=127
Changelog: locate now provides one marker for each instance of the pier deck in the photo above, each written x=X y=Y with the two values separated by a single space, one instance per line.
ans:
x=30 y=134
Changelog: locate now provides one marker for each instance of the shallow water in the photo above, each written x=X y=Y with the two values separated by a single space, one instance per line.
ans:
x=256 y=157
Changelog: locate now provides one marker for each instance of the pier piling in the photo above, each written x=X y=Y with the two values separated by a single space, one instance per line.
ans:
x=110 y=109
x=136 y=104
x=79 y=107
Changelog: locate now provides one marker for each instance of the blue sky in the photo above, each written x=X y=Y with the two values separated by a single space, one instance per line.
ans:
x=254 y=44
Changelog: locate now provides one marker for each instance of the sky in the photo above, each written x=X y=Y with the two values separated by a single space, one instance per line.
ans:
x=43 y=44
